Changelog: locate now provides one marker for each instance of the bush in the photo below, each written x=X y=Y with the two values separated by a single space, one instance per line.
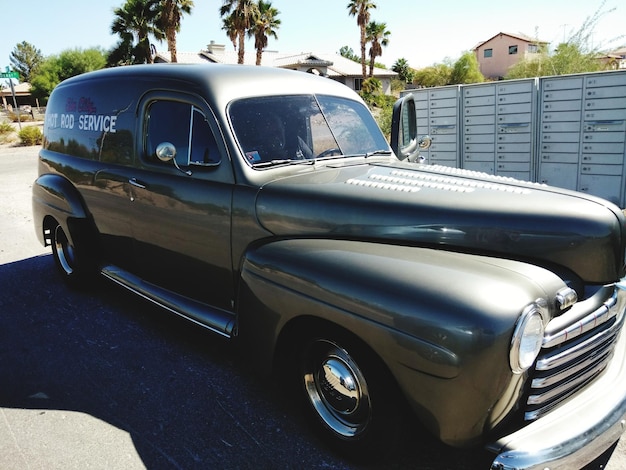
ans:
x=7 y=132
x=6 y=128
x=23 y=117
x=31 y=135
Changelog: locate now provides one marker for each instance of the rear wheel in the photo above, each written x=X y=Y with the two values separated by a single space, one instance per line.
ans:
x=73 y=263
x=349 y=394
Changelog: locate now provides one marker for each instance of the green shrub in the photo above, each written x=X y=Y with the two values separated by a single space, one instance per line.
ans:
x=6 y=128
x=31 y=135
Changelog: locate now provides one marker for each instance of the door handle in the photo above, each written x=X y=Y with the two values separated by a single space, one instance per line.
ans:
x=136 y=184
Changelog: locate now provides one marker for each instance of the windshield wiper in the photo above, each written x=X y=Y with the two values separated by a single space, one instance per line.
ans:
x=369 y=154
x=377 y=152
x=284 y=161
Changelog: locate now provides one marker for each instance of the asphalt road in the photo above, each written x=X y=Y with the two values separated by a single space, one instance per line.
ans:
x=102 y=380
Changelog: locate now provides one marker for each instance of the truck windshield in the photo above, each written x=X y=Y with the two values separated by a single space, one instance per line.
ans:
x=288 y=129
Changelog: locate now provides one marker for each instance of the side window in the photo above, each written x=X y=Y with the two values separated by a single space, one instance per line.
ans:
x=204 y=149
x=184 y=126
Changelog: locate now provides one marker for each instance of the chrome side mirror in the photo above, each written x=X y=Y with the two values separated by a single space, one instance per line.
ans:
x=425 y=142
x=166 y=152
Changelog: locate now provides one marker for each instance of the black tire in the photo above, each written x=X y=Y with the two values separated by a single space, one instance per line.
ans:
x=350 y=396
x=72 y=262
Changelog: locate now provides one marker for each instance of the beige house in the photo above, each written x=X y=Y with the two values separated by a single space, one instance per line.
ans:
x=333 y=66
x=22 y=95
x=615 y=60
x=496 y=55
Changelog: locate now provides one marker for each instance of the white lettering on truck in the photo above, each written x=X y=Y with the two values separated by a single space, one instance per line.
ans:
x=67 y=121
x=97 y=123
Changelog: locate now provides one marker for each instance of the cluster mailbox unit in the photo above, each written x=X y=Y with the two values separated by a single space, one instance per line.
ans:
x=497 y=123
x=437 y=114
x=583 y=130
x=567 y=131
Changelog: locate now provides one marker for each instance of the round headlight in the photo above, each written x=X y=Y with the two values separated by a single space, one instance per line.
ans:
x=527 y=339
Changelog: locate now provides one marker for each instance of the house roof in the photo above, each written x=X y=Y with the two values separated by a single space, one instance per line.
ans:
x=519 y=36
x=20 y=89
x=621 y=52
x=335 y=64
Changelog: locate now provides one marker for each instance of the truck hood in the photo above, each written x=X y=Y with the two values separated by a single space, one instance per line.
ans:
x=450 y=209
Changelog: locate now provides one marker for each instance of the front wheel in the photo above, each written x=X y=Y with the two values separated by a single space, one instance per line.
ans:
x=349 y=394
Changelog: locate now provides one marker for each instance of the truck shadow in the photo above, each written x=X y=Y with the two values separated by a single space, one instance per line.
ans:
x=178 y=391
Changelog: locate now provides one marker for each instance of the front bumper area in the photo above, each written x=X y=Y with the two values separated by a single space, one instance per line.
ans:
x=575 y=433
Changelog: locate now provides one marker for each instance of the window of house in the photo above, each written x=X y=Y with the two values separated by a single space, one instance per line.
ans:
x=488 y=53
x=513 y=50
x=358 y=84
x=533 y=48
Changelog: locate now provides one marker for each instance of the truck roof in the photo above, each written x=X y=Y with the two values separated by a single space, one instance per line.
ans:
x=221 y=83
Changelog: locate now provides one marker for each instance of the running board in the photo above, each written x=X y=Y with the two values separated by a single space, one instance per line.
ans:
x=219 y=321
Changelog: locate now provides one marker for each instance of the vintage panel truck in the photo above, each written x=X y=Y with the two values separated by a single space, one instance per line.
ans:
x=267 y=206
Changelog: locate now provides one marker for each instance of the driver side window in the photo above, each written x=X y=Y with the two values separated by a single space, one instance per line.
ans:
x=184 y=126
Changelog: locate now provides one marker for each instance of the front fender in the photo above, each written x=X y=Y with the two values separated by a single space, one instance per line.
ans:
x=441 y=321
x=55 y=196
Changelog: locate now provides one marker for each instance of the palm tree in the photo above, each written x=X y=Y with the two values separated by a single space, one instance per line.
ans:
x=169 y=21
x=228 y=25
x=135 y=21
x=402 y=68
x=265 y=23
x=378 y=35
x=237 y=23
x=361 y=9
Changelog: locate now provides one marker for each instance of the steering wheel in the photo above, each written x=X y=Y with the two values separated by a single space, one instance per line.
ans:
x=329 y=152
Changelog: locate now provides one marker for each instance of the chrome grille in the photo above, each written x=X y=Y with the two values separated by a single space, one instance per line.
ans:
x=574 y=355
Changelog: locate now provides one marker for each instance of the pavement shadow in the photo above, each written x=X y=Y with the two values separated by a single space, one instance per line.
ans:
x=178 y=391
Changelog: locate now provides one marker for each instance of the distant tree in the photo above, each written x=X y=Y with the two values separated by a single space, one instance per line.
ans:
x=401 y=67
x=25 y=59
x=54 y=69
x=135 y=22
x=466 y=70
x=435 y=75
x=265 y=23
x=378 y=36
x=169 y=19
x=398 y=85
x=372 y=86
x=348 y=53
x=228 y=25
x=237 y=18
x=361 y=9
x=570 y=58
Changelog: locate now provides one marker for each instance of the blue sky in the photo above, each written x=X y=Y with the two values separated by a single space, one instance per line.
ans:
x=424 y=34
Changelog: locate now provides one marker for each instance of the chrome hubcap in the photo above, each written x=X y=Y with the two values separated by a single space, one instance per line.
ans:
x=64 y=250
x=337 y=389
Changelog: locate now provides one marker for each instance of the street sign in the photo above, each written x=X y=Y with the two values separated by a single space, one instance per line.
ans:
x=9 y=75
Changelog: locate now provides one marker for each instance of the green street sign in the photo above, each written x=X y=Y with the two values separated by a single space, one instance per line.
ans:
x=9 y=75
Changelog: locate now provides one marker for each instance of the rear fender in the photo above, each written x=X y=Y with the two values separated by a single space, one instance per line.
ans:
x=55 y=196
